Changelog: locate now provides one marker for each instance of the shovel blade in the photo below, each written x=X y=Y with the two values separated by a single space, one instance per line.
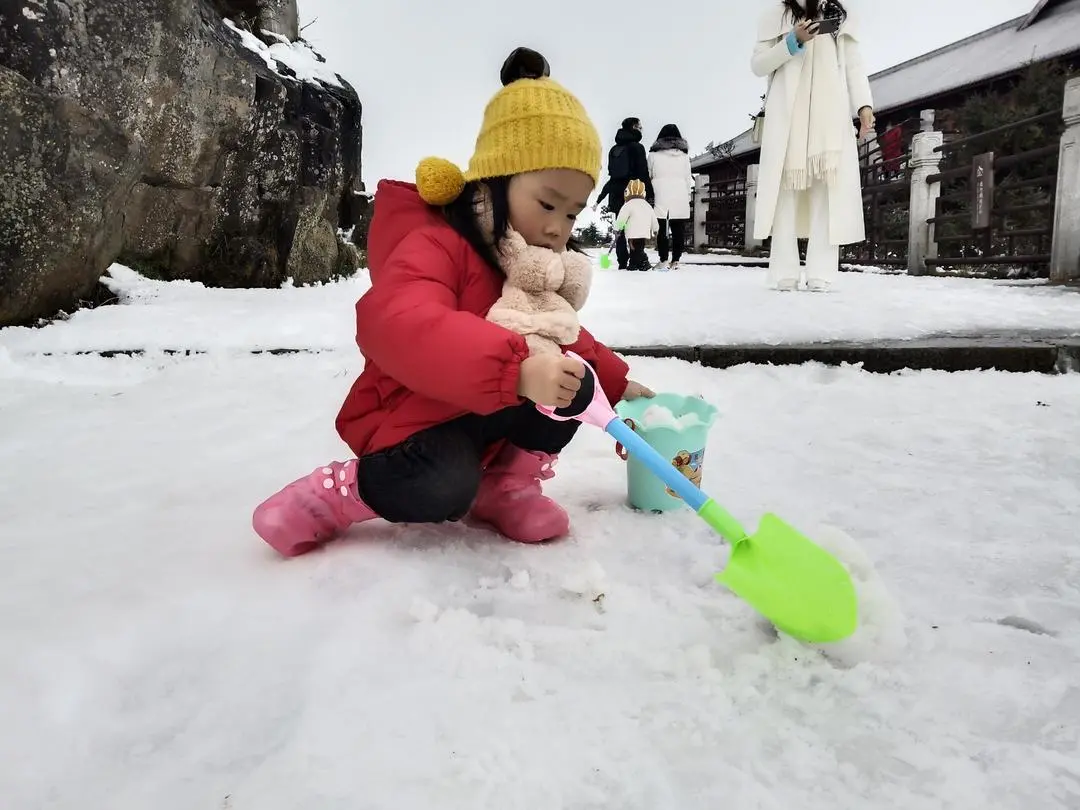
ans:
x=797 y=585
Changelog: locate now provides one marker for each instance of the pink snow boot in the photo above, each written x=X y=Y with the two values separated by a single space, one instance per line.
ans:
x=510 y=498
x=312 y=510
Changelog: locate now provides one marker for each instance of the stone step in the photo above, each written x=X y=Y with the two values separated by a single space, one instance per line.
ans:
x=1016 y=354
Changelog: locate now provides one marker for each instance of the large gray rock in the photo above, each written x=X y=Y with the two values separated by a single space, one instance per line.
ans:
x=236 y=173
x=64 y=178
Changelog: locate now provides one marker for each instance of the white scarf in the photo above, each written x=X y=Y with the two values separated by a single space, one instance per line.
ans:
x=819 y=121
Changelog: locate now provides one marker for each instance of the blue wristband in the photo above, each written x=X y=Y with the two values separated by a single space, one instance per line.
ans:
x=793 y=44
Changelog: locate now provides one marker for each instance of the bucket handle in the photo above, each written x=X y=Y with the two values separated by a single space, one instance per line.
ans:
x=621 y=451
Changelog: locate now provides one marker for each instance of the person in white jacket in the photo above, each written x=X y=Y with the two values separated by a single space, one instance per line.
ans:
x=673 y=186
x=809 y=184
x=638 y=222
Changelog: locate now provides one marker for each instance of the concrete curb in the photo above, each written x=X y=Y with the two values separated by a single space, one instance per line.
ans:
x=1044 y=355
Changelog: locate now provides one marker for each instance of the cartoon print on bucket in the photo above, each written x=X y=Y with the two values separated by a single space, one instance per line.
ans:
x=670 y=423
x=689 y=464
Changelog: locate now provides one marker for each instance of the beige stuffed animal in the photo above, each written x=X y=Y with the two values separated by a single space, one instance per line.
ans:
x=542 y=294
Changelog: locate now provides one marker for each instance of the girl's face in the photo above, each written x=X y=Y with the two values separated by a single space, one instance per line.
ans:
x=545 y=204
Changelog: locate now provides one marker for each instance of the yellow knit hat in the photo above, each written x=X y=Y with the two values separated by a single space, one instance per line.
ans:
x=530 y=125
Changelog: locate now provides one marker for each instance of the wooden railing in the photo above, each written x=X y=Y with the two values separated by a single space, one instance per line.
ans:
x=886 y=182
x=996 y=208
x=725 y=219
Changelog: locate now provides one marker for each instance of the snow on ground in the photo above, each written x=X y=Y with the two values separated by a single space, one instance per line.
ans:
x=692 y=305
x=158 y=655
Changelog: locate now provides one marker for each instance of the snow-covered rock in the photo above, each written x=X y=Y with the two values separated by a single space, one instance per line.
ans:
x=195 y=140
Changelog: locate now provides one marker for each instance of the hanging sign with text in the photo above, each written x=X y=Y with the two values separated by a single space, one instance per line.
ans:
x=982 y=190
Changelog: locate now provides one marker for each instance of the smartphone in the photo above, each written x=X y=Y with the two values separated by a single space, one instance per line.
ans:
x=830 y=25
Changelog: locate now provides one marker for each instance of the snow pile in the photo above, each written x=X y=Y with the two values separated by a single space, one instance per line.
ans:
x=880 y=637
x=659 y=416
x=297 y=56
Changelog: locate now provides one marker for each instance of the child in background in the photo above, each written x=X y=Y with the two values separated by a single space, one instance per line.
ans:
x=443 y=419
x=640 y=223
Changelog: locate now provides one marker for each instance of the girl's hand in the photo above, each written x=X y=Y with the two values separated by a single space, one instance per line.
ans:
x=550 y=379
x=866 y=122
x=806 y=31
x=635 y=390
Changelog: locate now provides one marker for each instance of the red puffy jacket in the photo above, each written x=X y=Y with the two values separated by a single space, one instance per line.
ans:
x=431 y=356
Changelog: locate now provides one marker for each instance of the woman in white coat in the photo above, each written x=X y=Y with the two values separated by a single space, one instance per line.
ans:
x=809 y=184
x=673 y=185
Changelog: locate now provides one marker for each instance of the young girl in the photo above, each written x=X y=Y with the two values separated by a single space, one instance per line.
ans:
x=443 y=419
x=638 y=221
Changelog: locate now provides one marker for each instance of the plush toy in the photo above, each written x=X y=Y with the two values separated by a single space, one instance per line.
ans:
x=542 y=294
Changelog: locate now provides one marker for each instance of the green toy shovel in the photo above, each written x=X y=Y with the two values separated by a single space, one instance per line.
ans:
x=794 y=583
x=605 y=257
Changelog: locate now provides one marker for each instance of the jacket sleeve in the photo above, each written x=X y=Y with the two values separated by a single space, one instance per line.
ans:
x=689 y=178
x=611 y=370
x=769 y=56
x=409 y=325
x=604 y=191
x=857 y=80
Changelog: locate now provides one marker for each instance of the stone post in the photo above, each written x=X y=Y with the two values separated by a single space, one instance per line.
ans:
x=1065 y=253
x=926 y=120
x=924 y=162
x=751 y=244
x=701 y=208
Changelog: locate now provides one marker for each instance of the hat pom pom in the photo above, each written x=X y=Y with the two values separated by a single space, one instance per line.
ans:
x=524 y=63
x=439 y=181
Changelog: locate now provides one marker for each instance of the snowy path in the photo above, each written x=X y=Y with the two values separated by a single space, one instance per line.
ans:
x=157 y=655
x=691 y=306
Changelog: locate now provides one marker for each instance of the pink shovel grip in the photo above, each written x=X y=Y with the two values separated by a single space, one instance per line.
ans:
x=597 y=413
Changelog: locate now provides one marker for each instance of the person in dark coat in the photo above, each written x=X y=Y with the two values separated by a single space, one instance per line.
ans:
x=627 y=160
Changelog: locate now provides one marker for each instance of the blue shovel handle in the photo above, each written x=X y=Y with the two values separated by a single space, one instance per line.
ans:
x=707 y=509
x=597 y=412
x=657 y=464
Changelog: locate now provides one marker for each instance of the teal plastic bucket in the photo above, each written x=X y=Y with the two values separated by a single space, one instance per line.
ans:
x=677 y=427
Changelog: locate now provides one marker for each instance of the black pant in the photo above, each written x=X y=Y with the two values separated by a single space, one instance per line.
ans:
x=678 y=239
x=433 y=476
x=622 y=251
x=639 y=259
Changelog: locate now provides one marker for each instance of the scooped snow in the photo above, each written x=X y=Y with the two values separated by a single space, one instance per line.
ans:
x=880 y=636
x=660 y=416
x=297 y=56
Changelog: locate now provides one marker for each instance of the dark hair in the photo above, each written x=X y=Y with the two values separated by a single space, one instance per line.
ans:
x=669 y=131
x=461 y=214
x=630 y=123
x=814 y=8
